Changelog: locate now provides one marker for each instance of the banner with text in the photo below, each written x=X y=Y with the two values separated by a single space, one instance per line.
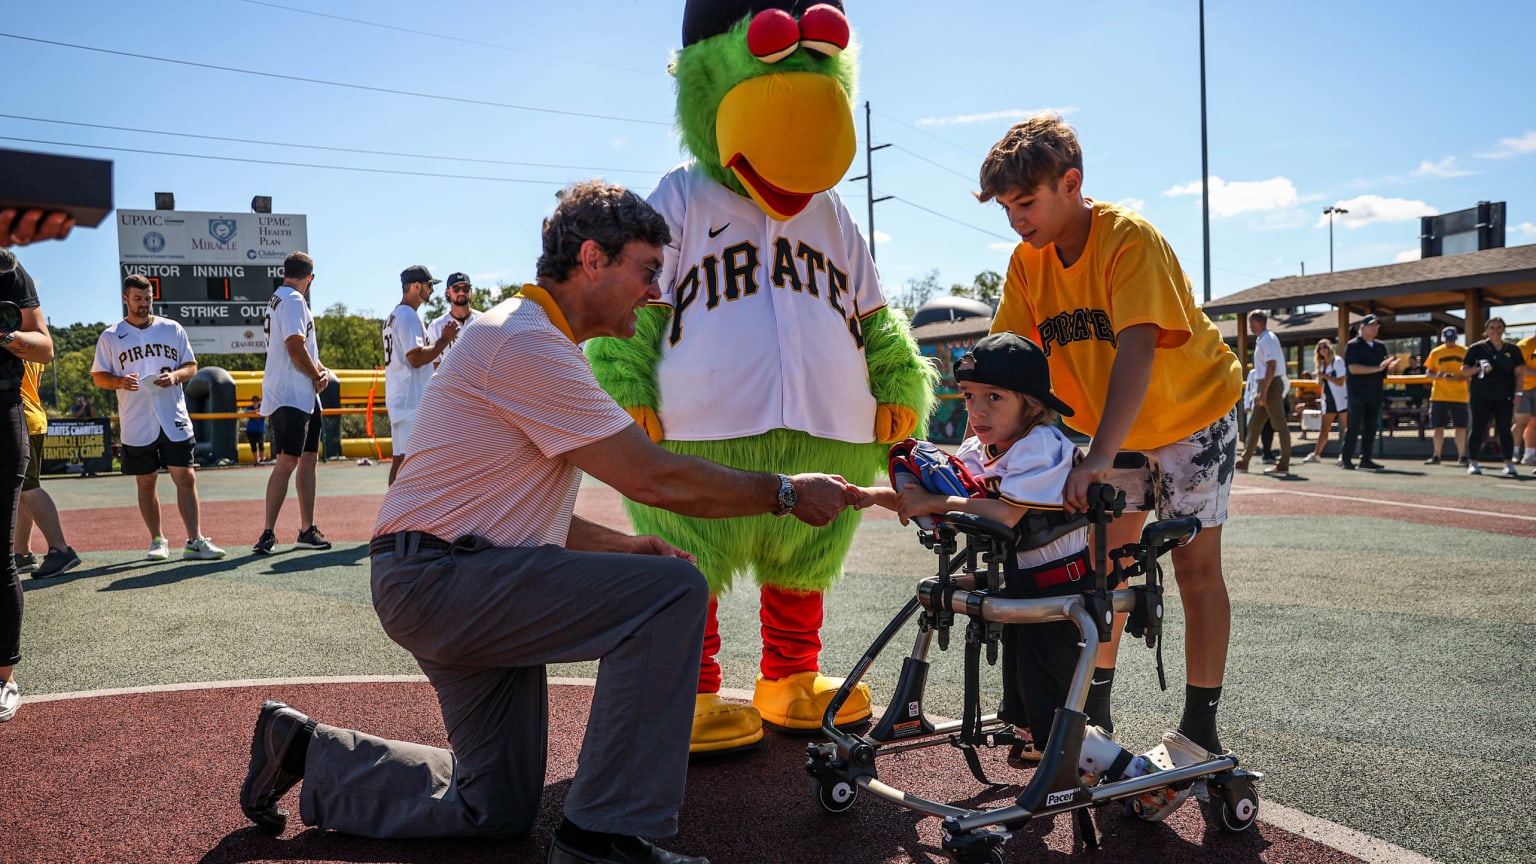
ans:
x=78 y=442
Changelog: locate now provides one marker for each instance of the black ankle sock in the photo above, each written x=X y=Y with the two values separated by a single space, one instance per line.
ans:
x=1199 y=723
x=594 y=844
x=1097 y=705
x=293 y=760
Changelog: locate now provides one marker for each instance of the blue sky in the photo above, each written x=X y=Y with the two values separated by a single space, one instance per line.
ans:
x=1392 y=110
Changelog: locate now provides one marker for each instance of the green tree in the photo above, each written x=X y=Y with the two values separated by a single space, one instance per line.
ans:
x=986 y=287
x=349 y=341
x=917 y=291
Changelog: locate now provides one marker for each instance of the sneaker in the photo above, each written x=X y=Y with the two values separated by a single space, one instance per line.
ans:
x=1433 y=460
x=1242 y=467
x=1311 y=457
x=1462 y=462
x=1346 y=465
x=202 y=550
x=311 y=538
x=10 y=700
x=1509 y=470
x=1369 y=465
x=1473 y=469
x=1279 y=469
x=268 y=781
x=57 y=562
x=1175 y=751
x=26 y=562
x=1530 y=459
x=266 y=543
x=159 y=550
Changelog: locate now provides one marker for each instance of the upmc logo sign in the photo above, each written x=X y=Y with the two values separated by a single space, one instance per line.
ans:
x=134 y=220
x=203 y=237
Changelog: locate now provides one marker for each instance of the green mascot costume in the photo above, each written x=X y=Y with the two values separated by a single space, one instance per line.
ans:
x=772 y=348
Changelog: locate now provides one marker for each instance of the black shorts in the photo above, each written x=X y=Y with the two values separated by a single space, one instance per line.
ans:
x=1447 y=414
x=255 y=438
x=34 y=479
x=294 y=432
x=1329 y=406
x=164 y=453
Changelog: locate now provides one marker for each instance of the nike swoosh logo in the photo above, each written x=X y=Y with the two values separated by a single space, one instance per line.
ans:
x=715 y=232
x=1212 y=703
x=1098 y=682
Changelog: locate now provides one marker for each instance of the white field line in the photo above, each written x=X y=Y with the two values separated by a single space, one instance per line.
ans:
x=1331 y=497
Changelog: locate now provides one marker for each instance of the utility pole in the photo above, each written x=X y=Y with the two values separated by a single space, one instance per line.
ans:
x=869 y=179
x=1205 y=167
x=1330 y=212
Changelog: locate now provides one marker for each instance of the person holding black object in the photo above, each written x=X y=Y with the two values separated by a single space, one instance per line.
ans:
x=29 y=341
x=1492 y=368
x=1368 y=363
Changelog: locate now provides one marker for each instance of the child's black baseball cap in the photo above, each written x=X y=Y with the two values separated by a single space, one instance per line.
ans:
x=1010 y=361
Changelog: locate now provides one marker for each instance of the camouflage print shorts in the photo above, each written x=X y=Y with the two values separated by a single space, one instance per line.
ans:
x=1192 y=477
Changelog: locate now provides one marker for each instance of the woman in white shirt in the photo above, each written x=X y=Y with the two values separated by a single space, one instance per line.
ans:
x=1333 y=397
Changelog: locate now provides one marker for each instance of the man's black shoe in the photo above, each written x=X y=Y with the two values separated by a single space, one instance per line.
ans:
x=311 y=538
x=629 y=850
x=265 y=545
x=1346 y=465
x=277 y=727
x=1370 y=466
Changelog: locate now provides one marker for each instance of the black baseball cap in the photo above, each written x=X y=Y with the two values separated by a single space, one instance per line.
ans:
x=417 y=273
x=1369 y=319
x=1448 y=333
x=1010 y=361
x=456 y=278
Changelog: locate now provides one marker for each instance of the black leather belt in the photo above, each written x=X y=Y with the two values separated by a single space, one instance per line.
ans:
x=391 y=542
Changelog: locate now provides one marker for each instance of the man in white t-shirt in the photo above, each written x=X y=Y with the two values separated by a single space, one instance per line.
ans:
x=460 y=313
x=1269 y=396
x=290 y=396
x=146 y=359
x=407 y=355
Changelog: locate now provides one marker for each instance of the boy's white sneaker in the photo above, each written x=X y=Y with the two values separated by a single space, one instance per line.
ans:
x=159 y=550
x=10 y=700
x=1311 y=457
x=201 y=550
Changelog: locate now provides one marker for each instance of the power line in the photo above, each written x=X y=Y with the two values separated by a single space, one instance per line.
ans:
x=270 y=143
x=285 y=164
x=365 y=87
x=414 y=32
x=965 y=150
x=952 y=219
x=929 y=161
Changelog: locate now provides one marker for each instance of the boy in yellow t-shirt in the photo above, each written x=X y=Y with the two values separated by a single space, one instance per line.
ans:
x=1447 y=394
x=1143 y=368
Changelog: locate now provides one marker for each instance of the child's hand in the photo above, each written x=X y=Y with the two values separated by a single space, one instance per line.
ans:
x=875 y=496
x=915 y=501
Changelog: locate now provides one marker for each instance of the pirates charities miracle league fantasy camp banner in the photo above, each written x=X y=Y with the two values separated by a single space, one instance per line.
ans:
x=85 y=442
x=213 y=272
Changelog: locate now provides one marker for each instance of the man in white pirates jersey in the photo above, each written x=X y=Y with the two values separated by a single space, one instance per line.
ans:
x=408 y=356
x=459 y=315
x=146 y=359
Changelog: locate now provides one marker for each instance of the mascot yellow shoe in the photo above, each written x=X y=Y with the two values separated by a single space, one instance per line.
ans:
x=797 y=702
x=720 y=726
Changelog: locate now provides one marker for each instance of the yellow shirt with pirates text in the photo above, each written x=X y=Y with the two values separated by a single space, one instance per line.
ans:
x=1127 y=275
x=31 y=405
x=1447 y=359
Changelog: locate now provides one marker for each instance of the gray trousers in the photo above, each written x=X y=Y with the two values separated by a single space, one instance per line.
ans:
x=482 y=622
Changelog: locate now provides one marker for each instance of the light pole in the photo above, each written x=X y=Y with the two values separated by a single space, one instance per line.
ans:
x=1329 y=211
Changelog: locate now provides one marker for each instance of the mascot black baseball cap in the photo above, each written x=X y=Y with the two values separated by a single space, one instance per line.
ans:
x=1010 y=361
x=705 y=18
x=417 y=273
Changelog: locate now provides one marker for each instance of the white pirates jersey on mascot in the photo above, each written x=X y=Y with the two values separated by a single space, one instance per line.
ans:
x=791 y=295
x=162 y=346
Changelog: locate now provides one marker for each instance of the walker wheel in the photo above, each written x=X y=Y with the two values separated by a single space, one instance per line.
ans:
x=990 y=856
x=1238 y=812
x=836 y=796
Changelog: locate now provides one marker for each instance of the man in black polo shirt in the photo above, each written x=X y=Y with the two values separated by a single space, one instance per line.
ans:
x=1368 y=364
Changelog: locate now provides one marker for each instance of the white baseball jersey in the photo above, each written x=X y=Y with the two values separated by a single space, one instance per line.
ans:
x=162 y=346
x=404 y=383
x=1029 y=474
x=282 y=383
x=435 y=331
x=766 y=325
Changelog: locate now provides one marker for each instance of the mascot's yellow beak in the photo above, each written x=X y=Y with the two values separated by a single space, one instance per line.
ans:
x=787 y=136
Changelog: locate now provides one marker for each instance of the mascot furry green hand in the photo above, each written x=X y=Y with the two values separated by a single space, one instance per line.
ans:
x=772 y=348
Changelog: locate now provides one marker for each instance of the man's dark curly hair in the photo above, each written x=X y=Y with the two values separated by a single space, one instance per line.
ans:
x=602 y=212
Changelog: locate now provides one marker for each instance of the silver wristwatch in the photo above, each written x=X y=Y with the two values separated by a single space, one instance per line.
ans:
x=788 y=498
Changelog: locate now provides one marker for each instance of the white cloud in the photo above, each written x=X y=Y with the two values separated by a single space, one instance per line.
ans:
x=618 y=143
x=1243 y=196
x=1366 y=209
x=1006 y=114
x=881 y=236
x=1406 y=255
x=1002 y=247
x=1526 y=229
x=1133 y=203
x=1444 y=168
x=1513 y=147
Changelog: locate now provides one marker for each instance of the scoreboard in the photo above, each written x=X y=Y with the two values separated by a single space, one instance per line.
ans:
x=212 y=272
